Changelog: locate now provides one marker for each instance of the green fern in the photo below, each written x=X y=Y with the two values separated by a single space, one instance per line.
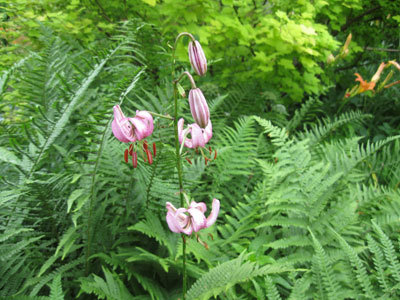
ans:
x=221 y=278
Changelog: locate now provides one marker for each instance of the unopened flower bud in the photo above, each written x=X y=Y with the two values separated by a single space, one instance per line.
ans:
x=199 y=107
x=378 y=73
x=197 y=58
x=330 y=59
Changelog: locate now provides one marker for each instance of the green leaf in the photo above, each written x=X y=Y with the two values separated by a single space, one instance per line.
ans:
x=8 y=156
x=150 y=2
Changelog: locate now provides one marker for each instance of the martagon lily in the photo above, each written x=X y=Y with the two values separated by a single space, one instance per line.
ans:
x=200 y=136
x=131 y=129
x=191 y=219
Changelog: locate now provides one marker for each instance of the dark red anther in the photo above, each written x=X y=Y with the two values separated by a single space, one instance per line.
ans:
x=215 y=155
x=130 y=149
x=154 y=149
x=209 y=149
x=188 y=160
x=149 y=157
x=145 y=146
x=134 y=159
x=126 y=155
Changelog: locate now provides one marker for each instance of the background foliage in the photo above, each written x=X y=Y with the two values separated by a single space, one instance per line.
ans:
x=308 y=181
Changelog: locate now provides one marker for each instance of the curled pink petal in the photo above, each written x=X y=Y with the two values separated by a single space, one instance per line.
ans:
x=197 y=218
x=140 y=128
x=170 y=207
x=199 y=107
x=197 y=136
x=146 y=117
x=171 y=221
x=171 y=218
x=208 y=132
x=214 y=213
x=197 y=58
x=121 y=127
x=200 y=206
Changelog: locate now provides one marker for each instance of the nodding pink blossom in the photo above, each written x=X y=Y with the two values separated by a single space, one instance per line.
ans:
x=131 y=129
x=197 y=58
x=200 y=136
x=191 y=219
x=199 y=107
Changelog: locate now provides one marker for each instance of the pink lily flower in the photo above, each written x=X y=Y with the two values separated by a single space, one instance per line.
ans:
x=191 y=219
x=197 y=58
x=200 y=136
x=131 y=129
x=199 y=107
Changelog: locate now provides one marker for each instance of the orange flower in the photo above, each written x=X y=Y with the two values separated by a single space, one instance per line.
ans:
x=364 y=86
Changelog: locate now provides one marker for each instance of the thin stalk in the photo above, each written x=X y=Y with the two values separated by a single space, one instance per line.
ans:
x=179 y=168
x=161 y=116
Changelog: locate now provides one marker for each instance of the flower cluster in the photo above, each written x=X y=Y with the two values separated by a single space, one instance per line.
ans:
x=195 y=136
x=132 y=130
x=135 y=129
x=198 y=134
x=369 y=86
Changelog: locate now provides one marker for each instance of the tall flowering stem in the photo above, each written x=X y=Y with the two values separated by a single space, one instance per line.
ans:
x=179 y=163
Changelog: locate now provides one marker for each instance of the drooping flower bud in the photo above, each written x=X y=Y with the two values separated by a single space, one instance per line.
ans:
x=330 y=59
x=197 y=58
x=377 y=75
x=199 y=107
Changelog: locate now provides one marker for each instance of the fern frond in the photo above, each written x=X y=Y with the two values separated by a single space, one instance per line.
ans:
x=328 y=277
x=279 y=136
x=56 y=292
x=228 y=274
x=379 y=263
x=390 y=253
x=112 y=288
x=272 y=292
x=358 y=265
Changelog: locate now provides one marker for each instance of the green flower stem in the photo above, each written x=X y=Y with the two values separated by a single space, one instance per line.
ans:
x=190 y=78
x=179 y=169
x=161 y=116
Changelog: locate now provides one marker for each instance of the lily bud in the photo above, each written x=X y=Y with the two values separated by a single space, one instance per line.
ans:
x=330 y=59
x=197 y=58
x=377 y=75
x=199 y=107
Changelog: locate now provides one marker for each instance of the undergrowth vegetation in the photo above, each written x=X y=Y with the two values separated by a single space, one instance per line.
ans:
x=308 y=185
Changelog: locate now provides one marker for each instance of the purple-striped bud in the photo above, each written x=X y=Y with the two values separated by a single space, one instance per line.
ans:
x=199 y=107
x=197 y=58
